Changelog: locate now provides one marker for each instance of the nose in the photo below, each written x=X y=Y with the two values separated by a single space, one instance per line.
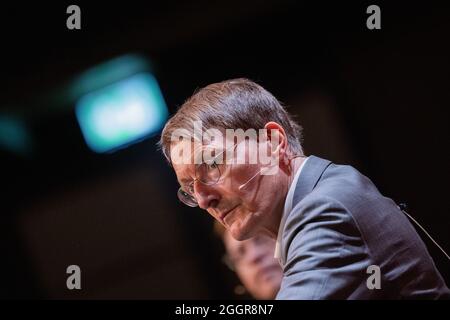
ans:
x=206 y=196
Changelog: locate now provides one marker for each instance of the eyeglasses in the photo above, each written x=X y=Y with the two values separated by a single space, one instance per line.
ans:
x=207 y=173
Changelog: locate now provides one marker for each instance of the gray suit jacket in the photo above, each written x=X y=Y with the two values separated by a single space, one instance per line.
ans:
x=340 y=225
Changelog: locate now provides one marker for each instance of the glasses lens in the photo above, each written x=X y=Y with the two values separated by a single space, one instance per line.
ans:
x=208 y=174
x=186 y=198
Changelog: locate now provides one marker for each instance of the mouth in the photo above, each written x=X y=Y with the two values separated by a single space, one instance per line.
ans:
x=223 y=215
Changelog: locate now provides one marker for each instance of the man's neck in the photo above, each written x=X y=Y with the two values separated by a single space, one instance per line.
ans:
x=296 y=164
x=272 y=231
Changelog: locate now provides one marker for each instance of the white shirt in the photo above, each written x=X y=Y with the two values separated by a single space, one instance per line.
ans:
x=287 y=209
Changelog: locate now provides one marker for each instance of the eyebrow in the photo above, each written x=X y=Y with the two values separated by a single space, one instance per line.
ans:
x=185 y=180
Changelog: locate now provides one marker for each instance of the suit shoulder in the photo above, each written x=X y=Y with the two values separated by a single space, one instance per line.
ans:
x=345 y=185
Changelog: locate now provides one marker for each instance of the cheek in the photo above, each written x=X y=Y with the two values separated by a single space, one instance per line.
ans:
x=234 y=177
x=229 y=187
x=254 y=194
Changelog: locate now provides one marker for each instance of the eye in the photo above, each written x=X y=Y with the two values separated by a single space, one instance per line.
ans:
x=190 y=189
x=209 y=166
x=213 y=165
x=184 y=193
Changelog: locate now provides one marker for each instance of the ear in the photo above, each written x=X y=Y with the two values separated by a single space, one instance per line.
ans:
x=276 y=132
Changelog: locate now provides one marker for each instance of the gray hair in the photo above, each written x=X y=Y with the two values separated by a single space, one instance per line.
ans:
x=232 y=104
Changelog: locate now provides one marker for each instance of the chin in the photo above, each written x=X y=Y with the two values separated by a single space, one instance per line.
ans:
x=240 y=232
x=237 y=234
x=244 y=226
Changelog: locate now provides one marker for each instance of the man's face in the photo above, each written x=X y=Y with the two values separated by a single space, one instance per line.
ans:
x=255 y=265
x=243 y=211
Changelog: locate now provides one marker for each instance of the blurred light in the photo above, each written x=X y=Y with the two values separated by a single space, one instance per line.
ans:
x=106 y=73
x=14 y=135
x=121 y=113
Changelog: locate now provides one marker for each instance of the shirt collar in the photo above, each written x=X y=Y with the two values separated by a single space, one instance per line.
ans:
x=287 y=209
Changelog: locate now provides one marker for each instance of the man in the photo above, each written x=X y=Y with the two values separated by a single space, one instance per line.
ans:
x=253 y=262
x=331 y=224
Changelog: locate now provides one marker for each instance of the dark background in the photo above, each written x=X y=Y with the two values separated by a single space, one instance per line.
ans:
x=375 y=99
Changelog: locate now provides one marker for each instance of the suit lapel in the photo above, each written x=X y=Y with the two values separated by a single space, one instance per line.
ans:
x=310 y=175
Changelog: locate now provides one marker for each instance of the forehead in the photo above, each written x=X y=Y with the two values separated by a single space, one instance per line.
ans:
x=187 y=151
x=185 y=173
x=185 y=155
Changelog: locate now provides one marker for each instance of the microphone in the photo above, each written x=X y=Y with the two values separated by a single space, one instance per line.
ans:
x=403 y=207
x=258 y=173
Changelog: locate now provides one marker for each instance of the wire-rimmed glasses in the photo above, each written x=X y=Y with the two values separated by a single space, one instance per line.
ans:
x=208 y=173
